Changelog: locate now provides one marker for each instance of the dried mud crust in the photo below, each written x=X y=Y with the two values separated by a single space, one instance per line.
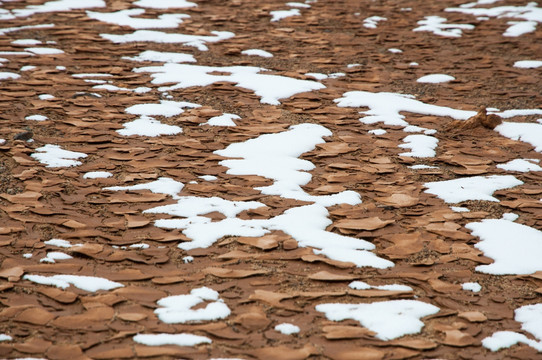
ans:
x=269 y=280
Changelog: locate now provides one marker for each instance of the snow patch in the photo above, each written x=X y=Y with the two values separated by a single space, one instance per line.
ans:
x=528 y=64
x=278 y=15
x=471 y=286
x=159 y=56
x=372 y=21
x=36 y=117
x=197 y=41
x=163 y=185
x=521 y=165
x=437 y=26
x=388 y=319
x=147 y=126
x=531 y=318
x=177 y=309
x=257 y=52
x=287 y=329
x=515 y=248
x=386 y=107
x=126 y=18
x=223 y=120
x=270 y=88
x=421 y=146
x=87 y=283
x=435 y=78
x=164 y=4
x=471 y=188
x=171 y=339
x=97 y=175
x=55 y=156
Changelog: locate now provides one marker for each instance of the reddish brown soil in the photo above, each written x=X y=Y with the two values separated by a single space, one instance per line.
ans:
x=427 y=241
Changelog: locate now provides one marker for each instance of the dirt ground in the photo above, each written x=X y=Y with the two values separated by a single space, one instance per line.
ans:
x=270 y=280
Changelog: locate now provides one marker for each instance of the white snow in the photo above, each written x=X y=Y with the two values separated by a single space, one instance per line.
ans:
x=531 y=317
x=164 y=108
x=15 y=53
x=270 y=88
x=147 y=126
x=4 y=31
x=223 y=120
x=139 y=246
x=4 y=75
x=171 y=339
x=197 y=41
x=28 y=68
x=515 y=248
x=188 y=259
x=27 y=255
x=528 y=16
x=510 y=216
x=208 y=177
x=36 y=117
x=528 y=64
x=377 y=132
x=97 y=175
x=422 y=167
x=45 y=97
x=275 y=156
x=298 y=5
x=127 y=18
x=422 y=146
x=437 y=26
x=26 y=42
x=60 y=67
x=58 y=6
x=435 y=78
x=395 y=51
x=55 y=255
x=109 y=87
x=528 y=132
x=471 y=286
x=163 y=185
x=87 y=283
x=58 y=242
x=287 y=328
x=360 y=285
x=159 y=56
x=388 y=319
x=459 y=209
x=471 y=188
x=177 y=309
x=55 y=156
x=386 y=107
x=317 y=76
x=44 y=51
x=372 y=21
x=521 y=165
x=164 y=4
x=4 y=337
x=257 y=52
x=282 y=14
x=192 y=206
x=519 y=28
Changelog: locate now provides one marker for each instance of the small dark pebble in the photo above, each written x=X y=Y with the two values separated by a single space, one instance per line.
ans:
x=25 y=135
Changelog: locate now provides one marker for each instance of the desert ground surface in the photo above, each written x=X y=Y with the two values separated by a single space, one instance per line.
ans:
x=349 y=180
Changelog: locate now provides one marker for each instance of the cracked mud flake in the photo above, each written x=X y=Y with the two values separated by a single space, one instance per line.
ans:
x=268 y=213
